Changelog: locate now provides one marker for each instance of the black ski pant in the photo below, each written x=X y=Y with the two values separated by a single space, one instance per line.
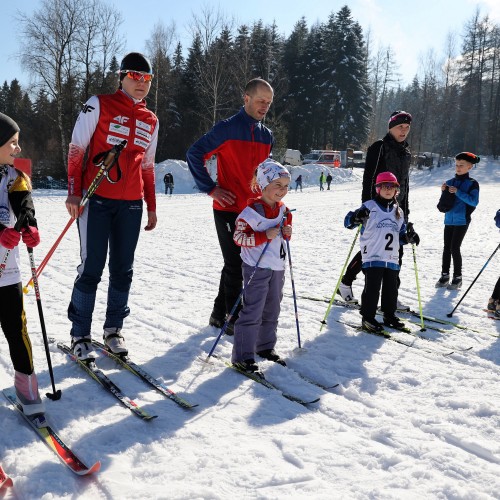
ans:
x=376 y=278
x=13 y=322
x=496 y=291
x=354 y=268
x=453 y=237
x=231 y=278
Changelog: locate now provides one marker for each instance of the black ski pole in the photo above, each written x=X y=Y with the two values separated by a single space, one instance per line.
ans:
x=475 y=279
x=57 y=393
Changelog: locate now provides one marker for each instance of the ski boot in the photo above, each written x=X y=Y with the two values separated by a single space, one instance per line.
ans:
x=371 y=325
x=456 y=283
x=443 y=281
x=271 y=355
x=27 y=394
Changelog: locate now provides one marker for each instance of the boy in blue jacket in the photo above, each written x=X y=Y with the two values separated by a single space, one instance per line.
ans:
x=459 y=199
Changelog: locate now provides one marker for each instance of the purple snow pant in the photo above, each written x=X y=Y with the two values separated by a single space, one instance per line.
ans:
x=255 y=328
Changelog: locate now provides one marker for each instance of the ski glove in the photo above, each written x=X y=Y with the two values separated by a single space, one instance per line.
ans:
x=9 y=238
x=360 y=216
x=411 y=236
x=31 y=236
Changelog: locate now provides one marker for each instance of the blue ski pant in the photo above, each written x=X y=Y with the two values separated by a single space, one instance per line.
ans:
x=105 y=224
x=255 y=329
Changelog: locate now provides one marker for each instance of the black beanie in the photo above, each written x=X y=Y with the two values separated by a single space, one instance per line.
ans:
x=8 y=127
x=470 y=157
x=399 y=117
x=135 y=62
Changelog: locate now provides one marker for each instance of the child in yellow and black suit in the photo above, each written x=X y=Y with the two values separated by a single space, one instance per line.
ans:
x=16 y=200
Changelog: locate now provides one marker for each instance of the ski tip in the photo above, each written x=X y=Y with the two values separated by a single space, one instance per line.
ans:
x=91 y=470
x=8 y=483
x=312 y=402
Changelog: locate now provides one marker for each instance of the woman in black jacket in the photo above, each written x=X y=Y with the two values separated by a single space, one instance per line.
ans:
x=390 y=154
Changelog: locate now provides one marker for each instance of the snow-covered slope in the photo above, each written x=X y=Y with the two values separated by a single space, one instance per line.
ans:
x=404 y=423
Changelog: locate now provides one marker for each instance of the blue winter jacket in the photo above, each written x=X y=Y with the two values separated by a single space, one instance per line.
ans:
x=466 y=200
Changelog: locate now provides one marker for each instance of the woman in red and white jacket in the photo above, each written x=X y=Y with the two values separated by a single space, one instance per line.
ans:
x=112 y=217
x=258 y=225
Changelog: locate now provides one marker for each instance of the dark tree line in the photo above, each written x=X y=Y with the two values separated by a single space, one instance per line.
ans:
x=331 y=88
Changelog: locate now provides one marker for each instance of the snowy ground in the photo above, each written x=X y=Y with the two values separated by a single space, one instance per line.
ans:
x=404 y=423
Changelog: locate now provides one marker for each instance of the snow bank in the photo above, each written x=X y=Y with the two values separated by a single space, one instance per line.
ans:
x=184 y=182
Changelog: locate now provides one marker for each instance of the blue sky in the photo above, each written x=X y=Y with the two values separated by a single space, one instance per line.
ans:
x=411 y=28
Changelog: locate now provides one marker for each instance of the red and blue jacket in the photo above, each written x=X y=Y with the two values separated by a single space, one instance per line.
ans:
x=240 y=143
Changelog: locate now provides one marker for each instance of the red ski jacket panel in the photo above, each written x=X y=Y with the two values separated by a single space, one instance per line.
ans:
x=240 y=144
x=107 y=120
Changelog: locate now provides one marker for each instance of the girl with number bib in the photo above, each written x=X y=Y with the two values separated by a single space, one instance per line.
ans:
x=383 y=231
x=257 y=226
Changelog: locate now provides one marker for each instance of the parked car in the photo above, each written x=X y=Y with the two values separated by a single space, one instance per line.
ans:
x=324 y=157
x=358 y=159
x=292 y=157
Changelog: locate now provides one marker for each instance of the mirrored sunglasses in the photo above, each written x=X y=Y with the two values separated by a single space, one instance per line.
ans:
x=138 y=76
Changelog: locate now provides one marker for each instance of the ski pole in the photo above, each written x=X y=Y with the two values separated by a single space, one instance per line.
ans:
x=418 y=288
x=240 y=296
x=57 y=393
x=105 y=161
x=475 y=279
x=18 y=225
x=323 y=323
x=293 y=290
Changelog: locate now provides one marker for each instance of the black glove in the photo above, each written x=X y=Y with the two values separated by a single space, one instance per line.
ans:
x=360 y=216
x=411 y=236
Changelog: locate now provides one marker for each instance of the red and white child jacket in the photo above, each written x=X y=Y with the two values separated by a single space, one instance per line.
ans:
x=250 y=234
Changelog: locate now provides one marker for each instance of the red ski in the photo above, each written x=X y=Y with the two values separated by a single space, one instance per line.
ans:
x=5 y=481
x=50 y=437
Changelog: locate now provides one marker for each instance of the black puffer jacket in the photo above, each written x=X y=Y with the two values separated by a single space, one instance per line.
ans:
x=388 y=155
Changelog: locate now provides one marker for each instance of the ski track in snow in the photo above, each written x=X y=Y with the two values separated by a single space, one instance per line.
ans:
x=403 y=423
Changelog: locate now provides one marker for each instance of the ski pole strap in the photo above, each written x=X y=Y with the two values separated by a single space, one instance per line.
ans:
x=106 y=161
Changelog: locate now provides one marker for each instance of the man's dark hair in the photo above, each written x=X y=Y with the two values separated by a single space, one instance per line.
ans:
x=252 y=85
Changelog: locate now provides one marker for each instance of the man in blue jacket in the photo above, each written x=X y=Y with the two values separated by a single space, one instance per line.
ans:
x=240 y=144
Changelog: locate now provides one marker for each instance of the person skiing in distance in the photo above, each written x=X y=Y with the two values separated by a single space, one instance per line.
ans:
x=390 y=154
x=383 y=231
x=258 y=224
x=459 y=198
x=322 y=180
x=240 y=144
x=329 y=179
x=15 y=202
x=168 y=180
x=112 y=217
x=298 y=183
x=494 y=300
